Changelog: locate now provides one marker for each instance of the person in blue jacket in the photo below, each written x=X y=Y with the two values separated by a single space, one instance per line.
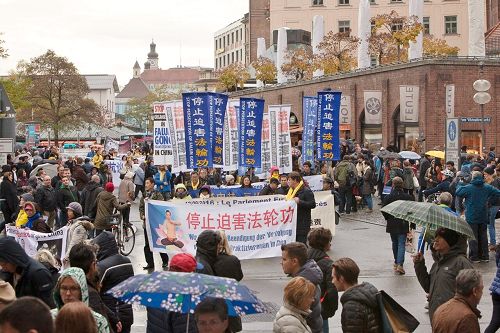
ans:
x=162 y=181
x=495 y=296
x=476 y=195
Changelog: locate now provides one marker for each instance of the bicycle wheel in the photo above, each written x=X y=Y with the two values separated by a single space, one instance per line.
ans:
x=127 y=240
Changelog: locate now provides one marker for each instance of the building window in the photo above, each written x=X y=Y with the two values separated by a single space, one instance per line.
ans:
x=236 y=35
x=224 y=41
x=317 y=2
x=345 y=26
x=396 y=1
x=237 y=55
x=373 y=60
x=343 y=2
x=232 y=37
x=427 y=25
x=372 y=2
x=450 y=25
x=396 y=26
x=232 y=57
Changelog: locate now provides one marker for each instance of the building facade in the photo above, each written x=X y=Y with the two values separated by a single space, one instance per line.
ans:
x=229 y=44
x=431 y=76
x=444 y=19
x=102 y=89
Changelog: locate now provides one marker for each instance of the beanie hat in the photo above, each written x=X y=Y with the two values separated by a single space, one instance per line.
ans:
x=450 y=236
x=205 y=188
x=180 y=185
x=183 y=262
x=7 y=293
x=76 y=208
x=109 y=187
x=28 y=197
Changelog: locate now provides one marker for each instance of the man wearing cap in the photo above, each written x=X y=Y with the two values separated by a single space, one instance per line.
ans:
x=126 y=193
x=160 y=320
x=106 y=204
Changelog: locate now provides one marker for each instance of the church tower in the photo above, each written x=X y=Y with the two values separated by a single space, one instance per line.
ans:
x=153 y=56
x=137 y=70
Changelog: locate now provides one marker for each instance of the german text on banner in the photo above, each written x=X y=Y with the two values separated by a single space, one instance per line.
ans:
x=197 y=128
x=218 y=105
x=373 y=106
x=268 y=155
x=256 y=227
x=328 y=134
x=163 y=153
x=32 y=241
x=250 y=127
x=280 y=121
x=231 y=136
x=310 y=112
x=323 y=214
x=408 y=104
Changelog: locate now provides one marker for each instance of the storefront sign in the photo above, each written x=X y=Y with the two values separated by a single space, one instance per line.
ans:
x=450 y=100
x=408 y=104
x=475 y=119
x=453 y=140
x=345 y=111
x=373 y=107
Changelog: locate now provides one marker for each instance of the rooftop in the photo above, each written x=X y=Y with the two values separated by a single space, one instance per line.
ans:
x=180 y=75
x=102 y=82
x=135 y=88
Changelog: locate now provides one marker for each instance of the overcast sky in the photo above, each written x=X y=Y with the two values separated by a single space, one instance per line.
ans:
x=107 y=36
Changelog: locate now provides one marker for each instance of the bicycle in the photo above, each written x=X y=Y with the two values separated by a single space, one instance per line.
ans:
x=124 y=234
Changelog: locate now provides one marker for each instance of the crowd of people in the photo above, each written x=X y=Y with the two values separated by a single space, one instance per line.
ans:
x=82 y=197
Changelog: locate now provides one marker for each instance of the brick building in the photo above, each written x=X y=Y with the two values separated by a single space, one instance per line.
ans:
x=430 y=75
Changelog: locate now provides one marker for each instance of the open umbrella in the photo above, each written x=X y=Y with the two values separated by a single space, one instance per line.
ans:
x=385 y=154
x=181 y=292
x=428 y=215
x=410 y=155
x=436 y=153
x=49 y=168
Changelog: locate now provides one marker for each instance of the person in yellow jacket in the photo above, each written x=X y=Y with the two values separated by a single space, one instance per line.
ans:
x=22 y=217
x=97 y=159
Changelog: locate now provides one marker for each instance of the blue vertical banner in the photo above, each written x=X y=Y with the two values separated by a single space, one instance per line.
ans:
x=327 y=131
x=197 y=127
x=309 y=115
x=217 y=111
x=250 y=126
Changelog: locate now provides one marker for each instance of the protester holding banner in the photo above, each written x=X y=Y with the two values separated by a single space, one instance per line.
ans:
x=304 y=198
x=283 y=189
x=162 y=181
x=35 y=220
x=271 y=188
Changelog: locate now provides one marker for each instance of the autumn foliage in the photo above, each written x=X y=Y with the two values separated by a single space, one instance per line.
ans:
x=337 y=52
x=233 y=76
x=265 y=70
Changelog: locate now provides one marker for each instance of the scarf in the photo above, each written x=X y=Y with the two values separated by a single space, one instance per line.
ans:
x=293 y=191
x=195 y=187
x=32 y=219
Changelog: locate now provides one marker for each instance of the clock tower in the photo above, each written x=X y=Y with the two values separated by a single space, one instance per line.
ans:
x=153 y=56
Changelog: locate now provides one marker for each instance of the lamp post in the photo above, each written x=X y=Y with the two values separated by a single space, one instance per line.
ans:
x=482 y=97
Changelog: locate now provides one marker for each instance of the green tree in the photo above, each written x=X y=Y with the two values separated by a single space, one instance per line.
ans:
x=17 y=88
x=58 y=94
x=337 y=52
x=265 y=70
x=435 y=47
x=3 y=50
x=299 y=64
x=233 y=76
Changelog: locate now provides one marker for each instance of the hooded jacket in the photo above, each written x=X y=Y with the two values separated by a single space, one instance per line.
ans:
x=89 y=199
x=439 y=282
x=311 y=271
x=329 y=293
x=360 y=312
x=34 y=279
x=206 y=251
x=78 y=276
x=77 y=232
x=113 y=269
x=289 y=319
x=476 y=195
x=106 y=203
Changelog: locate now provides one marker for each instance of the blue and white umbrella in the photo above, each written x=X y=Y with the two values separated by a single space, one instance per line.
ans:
x=410 y=155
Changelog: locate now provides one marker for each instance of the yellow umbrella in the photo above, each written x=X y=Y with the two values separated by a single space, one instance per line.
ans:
x=436 y=153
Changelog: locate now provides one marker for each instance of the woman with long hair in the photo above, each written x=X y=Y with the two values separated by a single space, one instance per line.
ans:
x=75 y=317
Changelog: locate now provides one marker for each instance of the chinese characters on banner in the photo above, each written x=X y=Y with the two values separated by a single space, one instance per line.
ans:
x=266 y=146
x=163 y=153
x=281 y=123
x=231 y=136
x=256 y=227
x=250 y=128
x=175 y=123
x=197 y=129
x=218 y=104
x=328 y=135
x=310 y=112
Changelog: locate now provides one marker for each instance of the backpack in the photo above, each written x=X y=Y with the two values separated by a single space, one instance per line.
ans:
x=353 y=179
x=343 y=173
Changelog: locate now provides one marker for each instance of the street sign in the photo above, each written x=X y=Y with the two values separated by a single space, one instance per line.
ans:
x=475 y=119
x=452 y=131
x=6 y=145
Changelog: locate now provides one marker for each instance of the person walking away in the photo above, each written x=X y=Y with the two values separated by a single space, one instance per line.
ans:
x=139 y=180
x=72 y=313
x=342 y=171
x=495 y=297
x=304 y=198
x=449 y=253
x=360 y=311
x=72 y=287
x=295 y=263
x=79 y=228
x=207 y=246
x=32 y=278
x=113 y=268
x=162 y=181
x=367 y=184
x=297 y=299
x=150 y=194
x=397 y=228
x=408 y=175
x=320 y=240
x=13 y=318
x=81 y=178
x=66 y=194
x=460 y=314
x=126 y=192
x=425 y=164
x=8 y=192
x=106 y=204
x=477 y=195
x=490 y=177
x=88 y=199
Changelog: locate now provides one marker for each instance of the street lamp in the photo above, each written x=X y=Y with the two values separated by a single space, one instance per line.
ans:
x=482 y=97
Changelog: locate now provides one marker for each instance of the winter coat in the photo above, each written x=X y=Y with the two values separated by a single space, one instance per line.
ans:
x=304 y=207
x=106 y=204
x=35 y=280
x=395 y=225
x=360 y=312
x=495 y=284
x=476 y=195
x=206 y=251
x=78 y=276
x=425 y=164
x=311 y=271
x=153 y=195
x=8 y=191
x=163 y=185
x=408 y=178
x=439 y=282
x=65 y=196
x=163 y=321
x=229 y=266
x=77 y=233
x=366 y=185
x=329 y=293
x=113 y=268
x=126 y=187
x=88 y=199
x=267 y=190
x=282 y=190
x=80 y=176
x=139 y=177
x=289 y=319
x=46 y=197
x=444 y=186
x=495 y=201
x=38 y=224
x=456 y=315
